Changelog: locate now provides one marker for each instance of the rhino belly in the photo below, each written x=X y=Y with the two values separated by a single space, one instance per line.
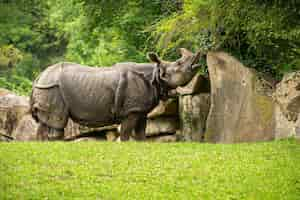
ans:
x=91 y=113
x=90 y=96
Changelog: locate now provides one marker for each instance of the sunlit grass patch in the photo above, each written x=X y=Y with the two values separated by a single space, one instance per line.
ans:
x=103 y=170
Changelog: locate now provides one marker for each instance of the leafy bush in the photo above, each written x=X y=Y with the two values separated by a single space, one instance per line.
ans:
x=263 y=34
x=17 y=84
x=34 y=34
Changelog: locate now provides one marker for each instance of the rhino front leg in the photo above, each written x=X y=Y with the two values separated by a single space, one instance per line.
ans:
x=128 y=126
x=140 y=129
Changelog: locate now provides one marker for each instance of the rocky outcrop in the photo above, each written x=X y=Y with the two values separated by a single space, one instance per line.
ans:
x=163 y=138
x=26 y=129
x=161 y=125
x=286 y=128
x=87 y=139
x=162 y=122
x=287 y=97
x=242 y=109
x=199 y=84
x=193 y=112
x=12 y=109
x=71 y=130
x=165 y=108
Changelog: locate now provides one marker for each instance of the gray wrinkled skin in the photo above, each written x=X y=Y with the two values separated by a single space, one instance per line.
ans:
x=91 y=96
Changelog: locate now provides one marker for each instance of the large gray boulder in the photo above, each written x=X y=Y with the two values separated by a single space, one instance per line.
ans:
x=287 y=97
x=161 y=125
x=242 y=109
x=193 y=112
x=199 y=84
x=72 y=130
x=26 y=129
x=163 y=138
x=12 y=109
x=168 y=107
x=286 y=128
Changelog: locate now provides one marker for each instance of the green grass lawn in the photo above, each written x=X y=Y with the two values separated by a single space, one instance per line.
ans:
x=103 y=170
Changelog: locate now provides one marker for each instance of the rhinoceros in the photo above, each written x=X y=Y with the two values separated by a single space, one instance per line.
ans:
x=98 y=96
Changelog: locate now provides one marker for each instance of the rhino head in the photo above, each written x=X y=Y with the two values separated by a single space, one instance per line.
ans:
x=179 y=72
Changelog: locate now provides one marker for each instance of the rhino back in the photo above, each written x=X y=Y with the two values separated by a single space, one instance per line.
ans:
x=89 y=93
x=49 y=77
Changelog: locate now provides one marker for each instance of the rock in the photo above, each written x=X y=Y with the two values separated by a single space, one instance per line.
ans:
x=199 y=84
x=87 y=139
x=71 y=130
x=112 y=135
x=242 y=109
x=287 y=95
x=7 y=120
x=12 y=109
x=17 y=104
x=161 y=125
x=164 y=138
x=284 y=127
x=26 y=129
x=165 y=108
x=85 y=129
x=5 y=138
x=193 y=112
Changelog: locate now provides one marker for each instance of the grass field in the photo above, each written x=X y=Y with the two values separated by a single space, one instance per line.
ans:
x=103 y=170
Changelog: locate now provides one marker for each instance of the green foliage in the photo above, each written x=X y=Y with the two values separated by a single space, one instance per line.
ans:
x=107 y=31
x=27 y=42
x=34 y=34
x=262 y=34
x=17 y=84
x=9 y=57
x=95 y=170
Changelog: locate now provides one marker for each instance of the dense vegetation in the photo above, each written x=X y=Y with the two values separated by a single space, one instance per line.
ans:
x=96 y=170
x=264 y=34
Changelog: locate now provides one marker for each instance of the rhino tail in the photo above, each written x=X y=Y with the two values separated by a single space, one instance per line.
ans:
x=32 y=108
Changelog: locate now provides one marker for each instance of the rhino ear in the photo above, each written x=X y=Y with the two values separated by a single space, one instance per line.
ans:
x=154 y=57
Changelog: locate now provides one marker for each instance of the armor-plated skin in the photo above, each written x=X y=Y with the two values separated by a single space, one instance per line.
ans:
x=95 y=97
